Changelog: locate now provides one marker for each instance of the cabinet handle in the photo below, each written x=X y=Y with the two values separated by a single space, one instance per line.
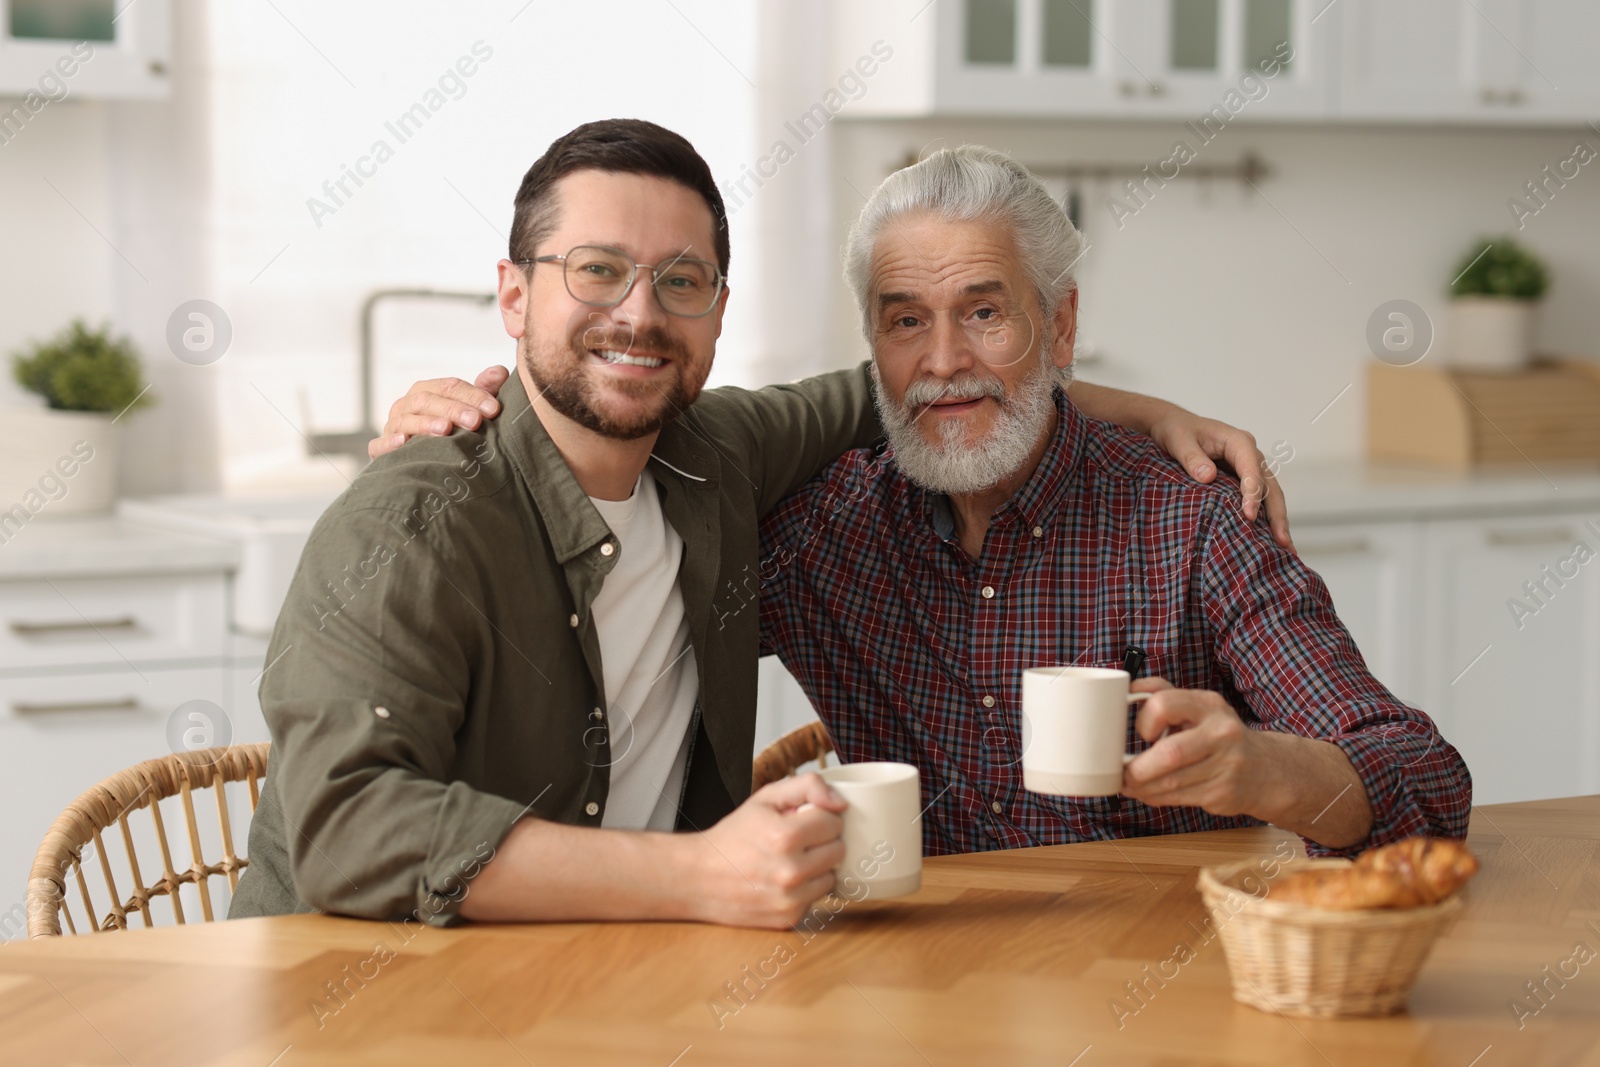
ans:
x=1509 y=97
x=126 y=704
x=46 y=629
x=1564 y=535
x=1355 y=546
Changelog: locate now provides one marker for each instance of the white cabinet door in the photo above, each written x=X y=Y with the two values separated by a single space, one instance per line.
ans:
x=244 y=703
x=60 y=735
x=1407 y=60
x=1036 y=57
x=89 y=47
x=1370 y=571
x=1494 y=61
x=1513 y=675
x=1253 y=59
x=1551 y=60
x=55 y=624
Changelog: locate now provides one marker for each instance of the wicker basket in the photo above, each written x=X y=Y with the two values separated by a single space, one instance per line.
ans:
x=1312 y=961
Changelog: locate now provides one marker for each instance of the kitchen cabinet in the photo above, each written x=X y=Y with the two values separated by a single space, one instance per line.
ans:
x=1133 y=58
x=108 y=630
x=1425 y=568
x=1511 y=660
x=1195 y=56
x=65 y=622
x=62 y=733
x=1433 y=607
x=92 y=49
x=1506 y=62
x=1489 y=62
x=1370 y=571
x=1418 y=60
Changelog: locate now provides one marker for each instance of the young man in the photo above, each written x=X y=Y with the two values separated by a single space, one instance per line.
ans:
x=509 y=656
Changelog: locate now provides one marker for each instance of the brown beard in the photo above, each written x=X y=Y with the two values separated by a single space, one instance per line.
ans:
x=570 y=391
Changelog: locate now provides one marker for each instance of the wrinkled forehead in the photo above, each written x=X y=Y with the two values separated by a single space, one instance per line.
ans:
x=934 y=260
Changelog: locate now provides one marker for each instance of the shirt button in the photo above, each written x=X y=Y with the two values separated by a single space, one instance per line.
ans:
x=597 y=715
x=381 y=712
x=997 y=807
x=591 y=808
x=607 y=549
x=1038 y=531
x=988 y=702
x=572 y=621
x=988 y=592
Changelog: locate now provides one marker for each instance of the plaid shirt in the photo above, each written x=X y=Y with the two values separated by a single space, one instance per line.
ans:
x=912 y=651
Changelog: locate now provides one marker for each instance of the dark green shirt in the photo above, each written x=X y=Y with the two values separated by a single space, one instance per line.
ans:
x=435 y=672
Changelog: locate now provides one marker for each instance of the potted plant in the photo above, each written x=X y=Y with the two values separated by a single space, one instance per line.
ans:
x=1495 y=298
x=61 y=457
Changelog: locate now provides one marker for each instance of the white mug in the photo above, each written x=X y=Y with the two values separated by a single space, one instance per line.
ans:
x=882 y=829
x=1074 y=730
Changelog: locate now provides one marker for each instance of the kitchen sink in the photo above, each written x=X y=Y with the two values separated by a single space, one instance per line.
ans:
x=271 y=532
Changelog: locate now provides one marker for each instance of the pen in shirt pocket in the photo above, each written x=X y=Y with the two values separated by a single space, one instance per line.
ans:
x=1133 y=661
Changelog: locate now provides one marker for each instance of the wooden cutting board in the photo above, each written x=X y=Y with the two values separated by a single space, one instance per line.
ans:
x=1465 y=418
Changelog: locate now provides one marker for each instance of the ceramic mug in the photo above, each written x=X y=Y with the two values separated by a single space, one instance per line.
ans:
x=1074 y=730
x=882 y=829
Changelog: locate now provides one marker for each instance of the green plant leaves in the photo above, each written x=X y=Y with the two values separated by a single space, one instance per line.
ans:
x=1498 y=266
x=83 y=370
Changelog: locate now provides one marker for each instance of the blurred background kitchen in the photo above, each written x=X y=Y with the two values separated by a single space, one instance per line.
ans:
x=1364 y=229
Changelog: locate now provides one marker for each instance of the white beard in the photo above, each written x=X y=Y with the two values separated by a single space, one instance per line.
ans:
x=953 y=467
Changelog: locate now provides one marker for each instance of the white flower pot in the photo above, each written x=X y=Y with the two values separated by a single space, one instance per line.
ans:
x=55 y=463
x=1492 y=332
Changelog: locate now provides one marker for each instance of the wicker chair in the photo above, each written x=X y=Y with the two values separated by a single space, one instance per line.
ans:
x=790 y=752
x=109 y=803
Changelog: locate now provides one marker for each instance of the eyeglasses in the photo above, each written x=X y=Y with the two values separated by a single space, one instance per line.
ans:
x=603 y=277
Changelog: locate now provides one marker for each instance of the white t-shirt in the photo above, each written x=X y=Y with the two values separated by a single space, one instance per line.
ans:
x=650 y=676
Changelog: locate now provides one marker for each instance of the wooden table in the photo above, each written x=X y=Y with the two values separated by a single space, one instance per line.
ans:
x=1017 y=957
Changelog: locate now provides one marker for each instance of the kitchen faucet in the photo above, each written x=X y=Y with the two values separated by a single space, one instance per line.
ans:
x=354 y=442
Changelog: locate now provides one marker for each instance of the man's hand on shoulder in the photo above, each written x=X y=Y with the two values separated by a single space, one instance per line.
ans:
x=434 y=408
x=1195 y=442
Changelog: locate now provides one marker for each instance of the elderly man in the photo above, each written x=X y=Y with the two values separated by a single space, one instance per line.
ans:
x=907 y=587
x=1002 y=529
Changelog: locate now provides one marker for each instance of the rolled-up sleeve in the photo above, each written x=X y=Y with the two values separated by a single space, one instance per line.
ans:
x=368 y=687
x=1295 y=668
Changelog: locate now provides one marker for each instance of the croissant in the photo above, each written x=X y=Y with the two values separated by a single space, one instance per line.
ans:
x=1406 y=874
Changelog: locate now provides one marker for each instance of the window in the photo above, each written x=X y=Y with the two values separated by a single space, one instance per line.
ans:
x=62 y=20
x=1068 y=33
x=992 y=31
x=1193 y=30
x=1266 y=26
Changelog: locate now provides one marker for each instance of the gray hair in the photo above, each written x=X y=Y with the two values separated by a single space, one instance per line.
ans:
x=964 y=184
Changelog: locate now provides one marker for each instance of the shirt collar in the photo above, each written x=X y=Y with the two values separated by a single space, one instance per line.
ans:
x=574 y=523
x=1039 y=499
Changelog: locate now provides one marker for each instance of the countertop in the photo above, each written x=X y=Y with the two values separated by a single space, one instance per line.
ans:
x=1329 y=491
x=1320 y=492
x=103 y=545
x=1093 y=953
